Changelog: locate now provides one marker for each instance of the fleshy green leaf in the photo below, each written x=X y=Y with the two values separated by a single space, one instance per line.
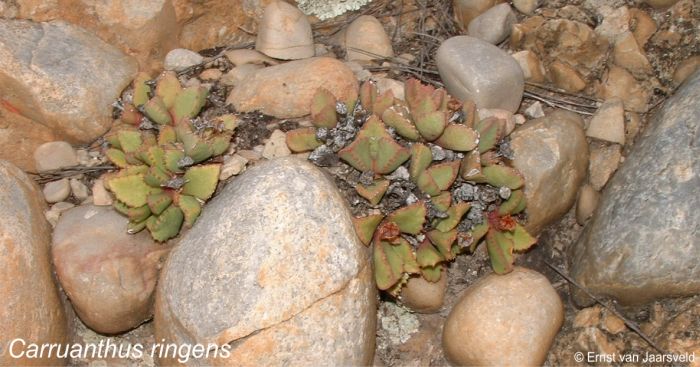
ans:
x=141 y=89
x=191 y=208
x=514 y=204
x=156 y=110
x=443 y=201
x=432 y=273
x=189 y=102
x=374 y=192
x=132 y=190
x=471 y=167
x=323 y=112
x=431 y=125
x=168 y=88
x=503 y=176
x=410 y=219
x=117 y=157
x=139 y=214
x=522 y=240
x=395 y=117
x=454 y=216
x=491 y=131
x=201 y=181
x=500 y=252
x=159 y=202
x=156 y=177
x=383 y=101
x=458 y=137
x=302 y=140
x=365 y=227
x=438 y=178
x=171 y=159
x=166 y=135
x=388 y=265
x=443 y=241
x=421 y=157
x=368 y=94
x=405 y=252
x=476 y=234
x=427 y=255
x=167 y=225
x=129 y=140
x=374 y=149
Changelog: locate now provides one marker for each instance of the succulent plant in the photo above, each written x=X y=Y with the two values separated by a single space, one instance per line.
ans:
x=417 y=239
x=164 y=177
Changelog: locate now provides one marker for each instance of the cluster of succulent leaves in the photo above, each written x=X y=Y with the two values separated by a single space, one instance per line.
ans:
x=408 y=240
x=164 y=153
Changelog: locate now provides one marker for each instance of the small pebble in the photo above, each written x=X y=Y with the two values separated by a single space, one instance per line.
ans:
x=180 y=59
x=100 y=195
x=210 y=74
x=233 y=165
x=55 y=155
x=55 y=212
x=56 y=191
x=588 y=199
x=80 y=191
x=250 y=155
x=535 y=110
x=276 y=146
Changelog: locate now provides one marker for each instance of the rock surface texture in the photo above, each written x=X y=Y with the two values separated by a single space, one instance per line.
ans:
x=642 y=244
x=504 y=320
x=552 y=153
x=476 y=70
x=61 y=76
x=285 y=91
x=31 y=308
x=108 y=274
x=273 y=267
x=284 y=33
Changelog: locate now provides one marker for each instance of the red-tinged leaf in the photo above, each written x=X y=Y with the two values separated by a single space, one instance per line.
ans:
x=374 y=192
x=458 y=137
x=302 y=140
x=501 y=257
x=427 y=255
x=454 y=216
x=365 y=227
x=443 y=241
x=410 y=219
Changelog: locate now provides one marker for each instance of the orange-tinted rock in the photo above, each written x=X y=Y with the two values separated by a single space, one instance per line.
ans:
x=146 y=30
x=44 y=80
x=19 y=138
x=285 y=90
x=32 y=310
x=504 y=320
x=284 y=32
x=466 y=10
x=108 y=274
x=619 y=83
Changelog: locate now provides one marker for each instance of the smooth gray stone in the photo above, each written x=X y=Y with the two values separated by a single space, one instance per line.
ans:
x=643 y=242
x=476 y=70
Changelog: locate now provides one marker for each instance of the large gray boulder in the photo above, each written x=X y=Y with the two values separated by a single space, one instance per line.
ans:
x=643 y=242
x=61 y=76
x=273 y=271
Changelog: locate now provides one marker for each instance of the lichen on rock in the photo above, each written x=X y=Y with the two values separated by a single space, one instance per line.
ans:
x=325 y=9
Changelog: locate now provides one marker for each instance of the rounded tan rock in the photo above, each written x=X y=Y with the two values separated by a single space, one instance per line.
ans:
x=504 y=320
x=552 y=153
x=284 y=33
x=367 y=34
x=587 y=202
x=423 y=296
x=286 y=90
